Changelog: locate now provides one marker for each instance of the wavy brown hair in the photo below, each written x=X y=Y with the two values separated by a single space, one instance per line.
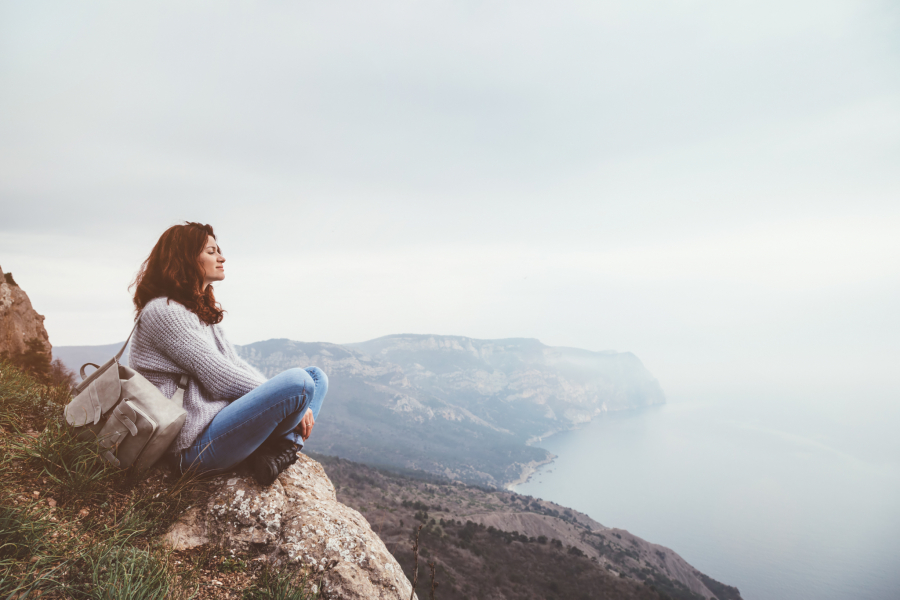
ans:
x=173 y=271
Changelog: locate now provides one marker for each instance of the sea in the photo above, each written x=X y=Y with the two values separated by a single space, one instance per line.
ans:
x=785 y=499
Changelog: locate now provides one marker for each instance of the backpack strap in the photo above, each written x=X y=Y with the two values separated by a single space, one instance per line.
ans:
x=125 y=416
x=109 y=457
x=87 y=379
x=128 y=339
x=178 y=398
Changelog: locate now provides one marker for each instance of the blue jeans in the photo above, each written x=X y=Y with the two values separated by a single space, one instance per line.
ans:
x=272 y=410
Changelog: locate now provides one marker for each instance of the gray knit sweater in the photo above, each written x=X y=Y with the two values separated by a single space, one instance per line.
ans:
x=171 y=340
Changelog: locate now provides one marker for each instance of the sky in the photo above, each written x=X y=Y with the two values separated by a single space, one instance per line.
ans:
x=712 y=186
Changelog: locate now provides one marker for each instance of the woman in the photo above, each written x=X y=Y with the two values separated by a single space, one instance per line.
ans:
x=233 y=412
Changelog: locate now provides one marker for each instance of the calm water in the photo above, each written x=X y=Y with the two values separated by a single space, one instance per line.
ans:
x=784 y=500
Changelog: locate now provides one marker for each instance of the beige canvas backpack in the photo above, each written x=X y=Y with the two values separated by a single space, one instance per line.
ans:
x=131 y=419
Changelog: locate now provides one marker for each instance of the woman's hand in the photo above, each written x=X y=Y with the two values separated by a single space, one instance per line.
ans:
x=306 y=425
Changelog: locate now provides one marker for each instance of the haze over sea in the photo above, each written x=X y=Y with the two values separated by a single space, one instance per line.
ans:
x=785 y=498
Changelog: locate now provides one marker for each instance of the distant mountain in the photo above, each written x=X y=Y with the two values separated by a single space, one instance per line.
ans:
x=459 y=407
x=520 y=385
x=75 y=356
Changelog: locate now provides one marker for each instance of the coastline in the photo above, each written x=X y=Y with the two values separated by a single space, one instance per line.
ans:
x=540 y=438
x=528 y=470
x=531 y=468
x=570 y=427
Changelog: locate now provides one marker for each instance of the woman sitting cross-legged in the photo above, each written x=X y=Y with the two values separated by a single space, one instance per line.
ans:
x=233 y=412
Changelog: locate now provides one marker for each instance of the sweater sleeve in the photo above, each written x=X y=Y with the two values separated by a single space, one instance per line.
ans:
x=248 y=366
x=232 y=354
x=177 y=333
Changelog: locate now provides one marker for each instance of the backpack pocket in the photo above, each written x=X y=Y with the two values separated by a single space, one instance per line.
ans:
x=96 y=396
x=125 y=434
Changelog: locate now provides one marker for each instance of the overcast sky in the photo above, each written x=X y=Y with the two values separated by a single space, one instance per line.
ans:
x=713 y=186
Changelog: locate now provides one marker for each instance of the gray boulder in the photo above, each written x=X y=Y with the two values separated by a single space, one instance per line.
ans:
x=296 y=521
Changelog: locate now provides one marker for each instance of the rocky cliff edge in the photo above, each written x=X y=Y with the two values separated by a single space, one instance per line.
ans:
x=297 y=520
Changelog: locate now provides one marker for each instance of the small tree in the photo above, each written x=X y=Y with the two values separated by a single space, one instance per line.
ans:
x=35 y=360
x=60 y=374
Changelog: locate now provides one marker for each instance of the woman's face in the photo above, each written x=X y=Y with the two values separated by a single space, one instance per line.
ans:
x=212 y=262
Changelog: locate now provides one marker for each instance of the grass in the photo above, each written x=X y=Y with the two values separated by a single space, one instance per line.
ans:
x=71 y=526
x=278 y=585
x=127 y=572
x=68 y=463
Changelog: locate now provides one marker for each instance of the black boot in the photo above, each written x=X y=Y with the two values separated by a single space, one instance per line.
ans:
x=270 y=459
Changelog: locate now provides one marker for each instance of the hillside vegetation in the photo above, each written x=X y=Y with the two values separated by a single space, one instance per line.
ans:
x=492 y=544
x=72 y=527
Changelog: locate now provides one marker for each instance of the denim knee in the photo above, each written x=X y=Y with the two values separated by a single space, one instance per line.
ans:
x=319 y=376
x=299 y=383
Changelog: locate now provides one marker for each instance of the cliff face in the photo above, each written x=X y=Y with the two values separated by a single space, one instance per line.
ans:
x=19 y=322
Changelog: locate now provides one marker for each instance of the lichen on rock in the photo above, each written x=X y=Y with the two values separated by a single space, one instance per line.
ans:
x=296 y=521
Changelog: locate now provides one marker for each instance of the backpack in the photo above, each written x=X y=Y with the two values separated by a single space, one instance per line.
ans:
x=133 y=422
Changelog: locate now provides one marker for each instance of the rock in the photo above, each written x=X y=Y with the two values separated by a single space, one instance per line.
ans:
x=297 y=520
x=19 y=322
